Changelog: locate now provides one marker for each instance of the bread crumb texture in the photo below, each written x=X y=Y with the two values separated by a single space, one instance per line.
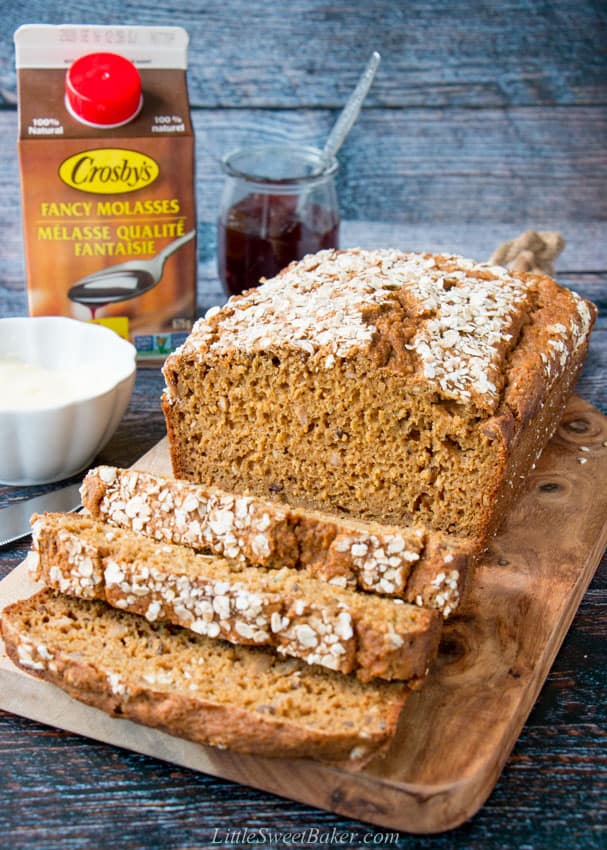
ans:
x=394 y=386
x=395 y=561
x=209 y=691
x=300 y=616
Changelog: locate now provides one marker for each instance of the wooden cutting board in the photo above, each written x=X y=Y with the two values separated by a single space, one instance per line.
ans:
x=455 y=735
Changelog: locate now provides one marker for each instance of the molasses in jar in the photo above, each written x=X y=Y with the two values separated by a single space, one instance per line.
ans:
x=279 y=204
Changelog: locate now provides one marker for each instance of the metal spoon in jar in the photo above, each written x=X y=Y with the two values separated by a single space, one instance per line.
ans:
x=125 y=280
x=349 y=113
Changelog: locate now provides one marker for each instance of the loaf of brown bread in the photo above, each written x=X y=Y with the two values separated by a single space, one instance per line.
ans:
x=390 y=386
x=425 y=567
x=300 y=616
x=244 y=698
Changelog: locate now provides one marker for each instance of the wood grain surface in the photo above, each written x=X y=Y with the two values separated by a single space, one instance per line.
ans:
x=308 y=52
x=543 y=166
x=494 y=658
x=507 y=100
x=550 y=795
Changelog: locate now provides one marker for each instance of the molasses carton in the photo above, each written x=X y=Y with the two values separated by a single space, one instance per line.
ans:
x=106 y=152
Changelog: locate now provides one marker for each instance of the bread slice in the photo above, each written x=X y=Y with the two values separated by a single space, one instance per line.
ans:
x=244 y=698
x=420 y=566
x=300 y=616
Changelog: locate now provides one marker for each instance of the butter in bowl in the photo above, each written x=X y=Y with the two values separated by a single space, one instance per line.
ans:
x=64 y=387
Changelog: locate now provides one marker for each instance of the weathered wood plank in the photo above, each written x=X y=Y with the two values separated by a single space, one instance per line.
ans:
x=592 y=384
x=543 y=168
x=453 y=53
x=539 y=165
x=556 y=770
x=585 y=249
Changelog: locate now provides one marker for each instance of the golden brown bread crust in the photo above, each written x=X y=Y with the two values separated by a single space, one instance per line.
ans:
x=523 y=446
x=535 y=394
x=422 y=566
x=419 y=397
x=299 y=616
x=41 y=637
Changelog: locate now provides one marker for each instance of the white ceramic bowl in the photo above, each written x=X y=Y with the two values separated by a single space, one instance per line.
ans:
x=58 y=439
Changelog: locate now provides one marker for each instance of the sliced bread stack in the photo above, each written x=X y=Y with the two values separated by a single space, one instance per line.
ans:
x=424 y=567
x=299 y=616
x=208 y=691
x=234 y=621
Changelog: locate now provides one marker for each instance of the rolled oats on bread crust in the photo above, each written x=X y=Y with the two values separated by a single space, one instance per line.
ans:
x=299 y=616
x=396 y=387
x=387 y=560
x=210 y=692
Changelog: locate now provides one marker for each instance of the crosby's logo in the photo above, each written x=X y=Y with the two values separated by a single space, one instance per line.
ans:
x=108 y=171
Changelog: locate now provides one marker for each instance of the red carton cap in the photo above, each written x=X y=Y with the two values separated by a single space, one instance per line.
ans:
x=103 y=90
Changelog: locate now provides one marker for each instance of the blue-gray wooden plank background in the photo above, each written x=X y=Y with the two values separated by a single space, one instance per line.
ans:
x=486 y=118
x=486 y=113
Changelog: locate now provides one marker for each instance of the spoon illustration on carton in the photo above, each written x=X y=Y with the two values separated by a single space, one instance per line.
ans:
x=125 y=280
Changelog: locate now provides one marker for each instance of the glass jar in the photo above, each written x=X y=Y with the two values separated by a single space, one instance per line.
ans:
x=275 y=208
